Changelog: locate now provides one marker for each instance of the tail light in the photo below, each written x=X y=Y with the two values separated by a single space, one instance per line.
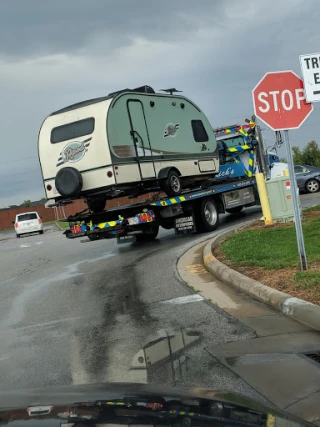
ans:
x=39 y=221
x=17 y=224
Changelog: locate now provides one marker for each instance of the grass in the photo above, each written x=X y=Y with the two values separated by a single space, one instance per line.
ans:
x=273 y=248
x=64 y=225
x=270 y=255
x=307 y=280
x=313 y=209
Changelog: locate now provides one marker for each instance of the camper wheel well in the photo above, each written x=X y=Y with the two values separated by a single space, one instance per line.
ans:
x=163 y=173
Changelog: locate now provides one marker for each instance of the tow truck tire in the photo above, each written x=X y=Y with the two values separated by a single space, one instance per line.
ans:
x=207 y=215
x=234 y=210
x=171 y=185
x=148 y=237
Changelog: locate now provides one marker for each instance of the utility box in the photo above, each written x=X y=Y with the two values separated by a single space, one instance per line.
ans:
x=280 y=199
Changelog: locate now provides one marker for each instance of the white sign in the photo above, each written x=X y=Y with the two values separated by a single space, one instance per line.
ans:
x=310 y=67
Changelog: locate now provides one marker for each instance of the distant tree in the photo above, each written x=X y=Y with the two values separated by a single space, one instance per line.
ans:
x=297 y=155
x=309 y=155
x=283 y=160
x=27 y=203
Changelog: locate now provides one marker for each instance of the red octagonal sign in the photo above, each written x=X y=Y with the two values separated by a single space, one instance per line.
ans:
x=279 y=100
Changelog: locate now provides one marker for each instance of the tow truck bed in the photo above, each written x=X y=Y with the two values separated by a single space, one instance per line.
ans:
x=186 y=212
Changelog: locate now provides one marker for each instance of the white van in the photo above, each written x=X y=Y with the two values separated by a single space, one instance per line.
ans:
x=128 y=143
x=29 y=222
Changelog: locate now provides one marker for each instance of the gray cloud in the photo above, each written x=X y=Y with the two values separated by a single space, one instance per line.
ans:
x=55 y=53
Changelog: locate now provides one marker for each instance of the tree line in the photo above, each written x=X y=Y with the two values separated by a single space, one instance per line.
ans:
x=309 y=155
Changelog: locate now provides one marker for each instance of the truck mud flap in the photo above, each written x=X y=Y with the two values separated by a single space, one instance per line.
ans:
x=185 y=224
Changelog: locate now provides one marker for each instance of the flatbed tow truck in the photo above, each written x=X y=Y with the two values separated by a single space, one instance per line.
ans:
x=193 y=211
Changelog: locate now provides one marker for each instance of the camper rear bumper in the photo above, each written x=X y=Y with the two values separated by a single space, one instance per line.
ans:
x=93 y=180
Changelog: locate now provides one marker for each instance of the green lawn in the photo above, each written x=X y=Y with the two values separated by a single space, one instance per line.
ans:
x=62 y=224
x=273 y=248
x=276 y=248
x=313 y=209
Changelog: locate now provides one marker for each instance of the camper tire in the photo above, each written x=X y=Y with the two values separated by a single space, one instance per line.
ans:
x=207 y=215
x=171 y=185
x=69 y=182
x=148 y=237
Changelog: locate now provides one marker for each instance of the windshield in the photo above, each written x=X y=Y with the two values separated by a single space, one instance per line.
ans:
x=26 y=217
x=166 y=151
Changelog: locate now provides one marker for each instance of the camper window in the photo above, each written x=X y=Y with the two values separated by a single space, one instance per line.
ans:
x=72 y=130
x=199 y=132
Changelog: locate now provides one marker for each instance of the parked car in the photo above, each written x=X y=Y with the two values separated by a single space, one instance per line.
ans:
x=29 y=222
x=308 y=178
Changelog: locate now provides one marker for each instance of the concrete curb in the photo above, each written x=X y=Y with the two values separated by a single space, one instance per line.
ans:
x=300 y=310
x=55 y=223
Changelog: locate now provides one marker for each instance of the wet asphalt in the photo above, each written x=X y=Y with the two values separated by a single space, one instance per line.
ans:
x=74 y=313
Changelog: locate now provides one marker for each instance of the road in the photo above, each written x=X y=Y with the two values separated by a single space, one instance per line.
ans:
x=73 y=313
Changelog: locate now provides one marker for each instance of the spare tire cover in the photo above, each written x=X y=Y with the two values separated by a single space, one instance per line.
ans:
x=69 y=182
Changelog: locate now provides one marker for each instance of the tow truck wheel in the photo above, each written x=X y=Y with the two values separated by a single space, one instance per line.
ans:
x=172 y=184
x=148 y=237
x=234 y=210
x=207 y=215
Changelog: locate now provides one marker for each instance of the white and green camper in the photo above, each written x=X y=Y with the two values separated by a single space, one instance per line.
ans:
x=127 y=143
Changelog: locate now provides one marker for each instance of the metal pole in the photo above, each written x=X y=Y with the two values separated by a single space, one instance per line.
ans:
x=295 y=201
x=261 y=158
x=264 y=200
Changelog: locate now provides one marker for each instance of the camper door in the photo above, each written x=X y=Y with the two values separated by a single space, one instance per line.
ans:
x=140 y=137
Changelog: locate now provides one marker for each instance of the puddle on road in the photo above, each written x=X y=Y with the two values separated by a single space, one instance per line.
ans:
x=165 y=355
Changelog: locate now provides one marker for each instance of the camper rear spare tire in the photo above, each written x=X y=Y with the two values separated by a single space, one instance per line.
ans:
x=68 y=182
x=171 y=185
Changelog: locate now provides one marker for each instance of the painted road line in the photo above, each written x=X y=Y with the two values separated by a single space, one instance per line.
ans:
x=184 y=300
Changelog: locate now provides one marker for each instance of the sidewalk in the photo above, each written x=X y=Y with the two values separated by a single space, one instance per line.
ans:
x=274 y=363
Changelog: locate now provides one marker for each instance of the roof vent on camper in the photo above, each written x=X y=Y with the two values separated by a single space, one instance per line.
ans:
x=144 y=89
x=171 y=91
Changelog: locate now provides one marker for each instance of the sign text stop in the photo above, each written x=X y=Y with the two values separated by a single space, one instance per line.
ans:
x=279 y=100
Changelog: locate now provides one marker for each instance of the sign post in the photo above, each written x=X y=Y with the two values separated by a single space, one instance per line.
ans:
x=279 y=101
x=295 y=202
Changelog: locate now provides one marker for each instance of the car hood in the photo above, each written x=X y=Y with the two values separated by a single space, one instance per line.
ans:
x=126 y=404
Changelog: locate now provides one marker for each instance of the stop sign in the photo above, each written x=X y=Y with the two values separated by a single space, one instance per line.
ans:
x=279 y=100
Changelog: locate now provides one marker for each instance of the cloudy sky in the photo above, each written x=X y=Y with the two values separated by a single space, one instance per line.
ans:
x=54 y=53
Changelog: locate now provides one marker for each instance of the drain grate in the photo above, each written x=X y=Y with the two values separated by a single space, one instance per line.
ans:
x=315 y=356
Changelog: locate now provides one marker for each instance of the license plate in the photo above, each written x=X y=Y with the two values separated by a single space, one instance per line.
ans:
x=133 y=221
x=126 y=239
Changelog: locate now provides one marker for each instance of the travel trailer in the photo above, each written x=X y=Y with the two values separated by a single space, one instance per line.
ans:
x=125 y=144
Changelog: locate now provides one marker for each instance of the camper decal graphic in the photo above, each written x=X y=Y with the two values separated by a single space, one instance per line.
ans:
x=171 y=130
x=73 y=152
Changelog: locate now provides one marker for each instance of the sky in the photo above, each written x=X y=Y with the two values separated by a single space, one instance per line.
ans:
x=56 y=53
